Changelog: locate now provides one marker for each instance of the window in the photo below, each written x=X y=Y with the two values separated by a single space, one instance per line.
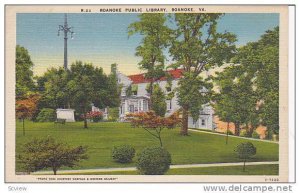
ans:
x=202 y=122
x=131 y=108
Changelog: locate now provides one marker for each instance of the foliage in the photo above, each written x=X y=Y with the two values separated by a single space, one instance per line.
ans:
x=244 y=133
x=153 y=123
x=229 y=132
x=24 y=73
x=123 y=154
x=53 y=86
x=159 y=105
x=46 y=115
x=96 y=116
x=153 y=161
x=113 y=114
x=26 y=108
x=261 y=61
x=245 y=151
x=45 y=153
x=151 y=50
x=78 y=88
x=236 y=99
x=196 y=47
x=255 y=135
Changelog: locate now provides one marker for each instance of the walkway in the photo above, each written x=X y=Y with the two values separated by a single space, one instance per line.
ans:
x=172 y=167
x=215 y=133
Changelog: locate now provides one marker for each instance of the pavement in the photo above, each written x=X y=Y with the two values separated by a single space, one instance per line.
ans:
x=172 y=167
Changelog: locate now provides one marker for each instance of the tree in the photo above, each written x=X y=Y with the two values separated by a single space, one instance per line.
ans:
x=261 y=60
x=155 y=39
x=152 y=123
x=25 y=108
x=245 y=151
x=48 y=153
x=159 y=105
x=53 y=87
x=89 y=85
x=197 y=47
x=236 y=98
x=24 y=73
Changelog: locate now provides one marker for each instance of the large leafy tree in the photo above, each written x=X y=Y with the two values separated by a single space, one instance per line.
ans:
x=261 y=61
x=236 y=98
x=24 y=73
x=89 y=85
x=53 y=87
x=197 y=46
x=151 y=50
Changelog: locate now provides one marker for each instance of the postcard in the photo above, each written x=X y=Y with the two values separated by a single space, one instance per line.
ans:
x=146 y=93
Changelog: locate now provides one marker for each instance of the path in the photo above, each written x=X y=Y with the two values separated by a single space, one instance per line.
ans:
x=172 y=167
x=215 y=133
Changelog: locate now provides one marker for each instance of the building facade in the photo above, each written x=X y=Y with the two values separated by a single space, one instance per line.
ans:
x=138 y=99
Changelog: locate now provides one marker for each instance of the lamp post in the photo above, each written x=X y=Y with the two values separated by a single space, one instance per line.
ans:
x=66 y=29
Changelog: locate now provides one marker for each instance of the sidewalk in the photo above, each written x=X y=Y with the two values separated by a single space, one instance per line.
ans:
x=213 y=133
x=171 y=167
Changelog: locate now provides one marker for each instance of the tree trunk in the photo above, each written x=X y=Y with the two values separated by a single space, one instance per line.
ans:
x=23 y=127
x=85 y=120
x=85 y=123
x=185 y=119
x=236 y=129
x=227 y=133
x=54 y=171
x=251 y=129
x=244 y=167
x=161 y=145
x=150 y=93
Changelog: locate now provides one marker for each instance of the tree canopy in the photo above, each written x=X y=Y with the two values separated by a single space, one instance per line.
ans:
x=197 y=46
x=24 y=73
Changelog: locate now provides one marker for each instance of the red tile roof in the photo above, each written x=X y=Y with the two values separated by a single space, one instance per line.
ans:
x=140 y=78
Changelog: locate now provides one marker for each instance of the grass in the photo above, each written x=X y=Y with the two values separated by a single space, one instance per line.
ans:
x=102 y=137
x=271 y=169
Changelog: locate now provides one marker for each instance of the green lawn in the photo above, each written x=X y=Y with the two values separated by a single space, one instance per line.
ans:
x=101 y=137
x=221 y=170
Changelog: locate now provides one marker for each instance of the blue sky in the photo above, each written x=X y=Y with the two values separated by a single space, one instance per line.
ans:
x=102 y=38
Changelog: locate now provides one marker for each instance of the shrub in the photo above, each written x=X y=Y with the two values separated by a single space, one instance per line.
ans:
x=123 y=154
x=113 y=114
x=153 y=161
x=229 y=132
x=46 y=115
x=96 y=116
x=244 y=133
x=255 y=135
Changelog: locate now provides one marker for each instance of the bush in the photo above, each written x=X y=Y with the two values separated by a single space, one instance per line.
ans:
x=123 y=154
x=46 y=115
x=95 y=116
x=255 y=135
x=153 y=161
x=113 y=114
x=229 y=132
x=244 y=133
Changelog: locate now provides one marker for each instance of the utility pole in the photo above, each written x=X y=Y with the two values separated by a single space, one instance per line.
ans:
x=66 y=29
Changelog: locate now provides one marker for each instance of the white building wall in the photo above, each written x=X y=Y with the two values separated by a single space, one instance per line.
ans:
x=207 y=110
